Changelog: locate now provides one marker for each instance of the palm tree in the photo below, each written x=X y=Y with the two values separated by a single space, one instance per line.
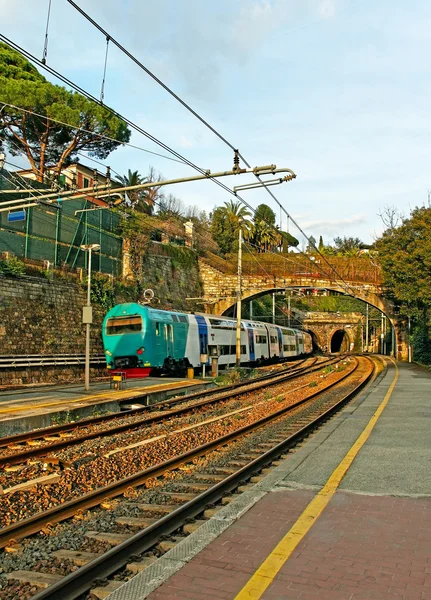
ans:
x=264 y=236
x=237 y=215
x=137 y=198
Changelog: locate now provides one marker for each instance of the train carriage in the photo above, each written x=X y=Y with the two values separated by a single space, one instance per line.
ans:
x=138 y=339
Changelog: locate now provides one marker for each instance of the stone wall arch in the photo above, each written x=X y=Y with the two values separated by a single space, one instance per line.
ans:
x=220 y=294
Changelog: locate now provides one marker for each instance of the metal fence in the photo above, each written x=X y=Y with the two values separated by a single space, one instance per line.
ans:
x=56 y=234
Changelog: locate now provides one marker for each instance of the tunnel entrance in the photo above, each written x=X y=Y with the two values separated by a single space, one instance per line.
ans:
x=316 y=347
x=340 y=341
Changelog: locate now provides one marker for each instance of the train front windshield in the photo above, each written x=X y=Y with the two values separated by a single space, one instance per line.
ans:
x=121 y=325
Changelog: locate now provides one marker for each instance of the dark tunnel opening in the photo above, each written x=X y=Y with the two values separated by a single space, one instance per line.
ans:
x=340 y=341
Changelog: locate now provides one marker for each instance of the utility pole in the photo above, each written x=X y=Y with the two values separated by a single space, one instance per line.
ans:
x=366 y=329
x=288 y=310
x=238 y=302
x=87 y=313
x=273 y=308
x=382 y=351
x=410 y=347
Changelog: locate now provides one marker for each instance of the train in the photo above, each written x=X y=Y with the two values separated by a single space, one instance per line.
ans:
x=140 y=340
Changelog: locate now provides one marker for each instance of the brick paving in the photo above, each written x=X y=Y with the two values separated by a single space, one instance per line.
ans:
x=362 y=547
x=225 y=565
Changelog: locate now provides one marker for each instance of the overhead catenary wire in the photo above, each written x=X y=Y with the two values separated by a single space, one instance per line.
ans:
x=102 y=91
x=150 y=73
x=139 y=129
x=217 y=133
x=99 y=135
x=45 y=46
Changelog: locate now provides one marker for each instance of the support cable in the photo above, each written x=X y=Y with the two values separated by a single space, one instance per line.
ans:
x=139 y=129
x=45 y=47
x=202 y=120
x=102 y=91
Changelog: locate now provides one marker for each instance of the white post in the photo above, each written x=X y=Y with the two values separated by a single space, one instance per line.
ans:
x=87 y=331
x=410 y=347
x=273 y=308
x=366 y=330
x=288 y=310
x=238 y=303
x=381 y=335
x=87 y=315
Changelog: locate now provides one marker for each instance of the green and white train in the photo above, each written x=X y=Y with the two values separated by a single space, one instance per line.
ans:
x=139 y=339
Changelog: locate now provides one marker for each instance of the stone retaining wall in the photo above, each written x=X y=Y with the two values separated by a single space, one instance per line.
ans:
x=38 y=316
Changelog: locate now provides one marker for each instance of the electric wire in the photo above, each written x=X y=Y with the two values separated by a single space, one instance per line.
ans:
x=99 y=135
x=102 y=91
x=202 y=120
x=45 y=47
x=77 y=88
x=150 y=73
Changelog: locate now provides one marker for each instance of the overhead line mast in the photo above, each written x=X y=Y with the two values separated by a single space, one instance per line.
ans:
x=217 y=133
x=139 y=129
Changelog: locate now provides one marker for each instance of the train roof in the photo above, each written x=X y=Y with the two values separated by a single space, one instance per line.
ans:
x=166 y=315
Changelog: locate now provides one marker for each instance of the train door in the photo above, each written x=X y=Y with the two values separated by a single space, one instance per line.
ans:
x=169 y=339
x=251 y=342
x=280 y=342
x=203 y=334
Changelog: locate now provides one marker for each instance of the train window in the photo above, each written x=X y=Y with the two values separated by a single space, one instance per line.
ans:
x=261 y=339
x=274 y=339
x=120 y=325
x=222 y=324
x=182 y=318
x=289 y=348
x=157 y=329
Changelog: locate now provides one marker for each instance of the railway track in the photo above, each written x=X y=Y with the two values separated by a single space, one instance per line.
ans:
x=14 y=449
x=228 y=461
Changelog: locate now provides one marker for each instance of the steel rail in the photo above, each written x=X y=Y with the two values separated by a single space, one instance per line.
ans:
x=79 y=582
x=31 y=435
x=68 y=509
x=20 y=457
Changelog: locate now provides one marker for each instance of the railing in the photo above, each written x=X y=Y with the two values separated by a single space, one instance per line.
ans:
x=354 y=269
x=23 y=361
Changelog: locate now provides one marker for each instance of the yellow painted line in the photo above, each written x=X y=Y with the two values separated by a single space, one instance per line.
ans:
x=107 y=396
x=265 y=574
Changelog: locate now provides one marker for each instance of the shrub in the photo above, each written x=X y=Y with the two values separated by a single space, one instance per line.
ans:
x=12 y=267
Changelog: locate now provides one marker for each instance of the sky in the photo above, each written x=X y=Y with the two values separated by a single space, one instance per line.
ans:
x=336 y=90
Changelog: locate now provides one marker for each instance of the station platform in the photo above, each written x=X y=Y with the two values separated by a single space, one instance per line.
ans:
x=345 y=516
x=34 y=406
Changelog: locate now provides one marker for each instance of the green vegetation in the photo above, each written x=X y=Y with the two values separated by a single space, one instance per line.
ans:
x=12 y=267
x=261 y=234
x=405 y=256
x=45 y=143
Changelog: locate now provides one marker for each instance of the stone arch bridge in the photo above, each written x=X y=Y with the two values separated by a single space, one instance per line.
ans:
x=220 y=290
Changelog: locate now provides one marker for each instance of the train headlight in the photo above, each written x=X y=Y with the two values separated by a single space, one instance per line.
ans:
x=108 y=353
x=140 y=350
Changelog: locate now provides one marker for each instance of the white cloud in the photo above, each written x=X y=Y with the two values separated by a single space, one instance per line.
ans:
x=335 y=227
x=326 y=9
